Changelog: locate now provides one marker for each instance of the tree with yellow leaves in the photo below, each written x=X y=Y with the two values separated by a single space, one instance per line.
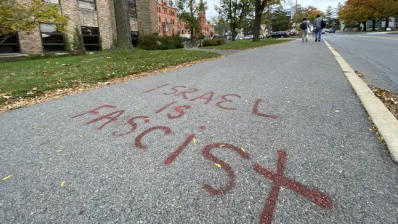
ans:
x=16 y=17
x=310 y=13
x=355 y=12
x=360 y=11
x=383 y=8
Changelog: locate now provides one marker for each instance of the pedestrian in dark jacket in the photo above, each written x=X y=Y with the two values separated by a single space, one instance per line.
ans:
x=318 y=28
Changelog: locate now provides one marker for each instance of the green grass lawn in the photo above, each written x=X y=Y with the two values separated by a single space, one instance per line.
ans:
x=33 y=77
x=244 y=44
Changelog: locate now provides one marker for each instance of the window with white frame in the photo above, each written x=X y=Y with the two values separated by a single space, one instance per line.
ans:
x=87 y=4
x=51 y=38
x=91 y=38
x=51 y=1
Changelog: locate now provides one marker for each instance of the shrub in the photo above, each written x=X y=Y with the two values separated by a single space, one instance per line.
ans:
x=172 y=42
x=216 y=42
x=78 y=45
x=153 y=42
x=148 y=42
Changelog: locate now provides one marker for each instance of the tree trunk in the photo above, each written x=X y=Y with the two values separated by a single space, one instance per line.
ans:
x=233 y=32
x=373 y=25
x=387 y=22
x=259 y=9
x=192 y=33
x=122 y=24
x=364 y=26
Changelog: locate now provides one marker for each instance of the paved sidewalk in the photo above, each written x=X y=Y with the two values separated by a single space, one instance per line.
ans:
x=270 y=134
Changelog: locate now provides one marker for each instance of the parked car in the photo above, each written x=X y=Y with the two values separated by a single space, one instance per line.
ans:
x=293 y=33
x=332 y=31
x=248 y=37
x=279 y=34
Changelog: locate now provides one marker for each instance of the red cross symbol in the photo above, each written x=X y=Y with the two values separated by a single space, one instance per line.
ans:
x=279 y=180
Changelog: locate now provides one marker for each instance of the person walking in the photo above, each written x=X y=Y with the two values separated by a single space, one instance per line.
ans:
x=319 y=24
x=305 y=28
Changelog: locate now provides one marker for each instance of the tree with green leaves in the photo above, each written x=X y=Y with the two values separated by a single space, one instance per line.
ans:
x=329 y=16
x=259 y=7
x=16 y=17
x=188 y=11
x=234 y=12
x=279 y=20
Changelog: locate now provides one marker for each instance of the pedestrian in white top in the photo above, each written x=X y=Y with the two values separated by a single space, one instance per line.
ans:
x=305 y=28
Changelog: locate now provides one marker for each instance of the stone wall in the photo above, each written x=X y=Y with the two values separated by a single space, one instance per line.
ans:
x=107 y=23
x=147 y=17
x=30 y=43
x=144 y=20
x=88 y=18
x=70 y=8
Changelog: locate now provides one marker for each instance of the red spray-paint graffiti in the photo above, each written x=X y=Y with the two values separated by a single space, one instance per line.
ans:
x=174 y=155
x=255 y=110
x=133 y=125
x=94 y=111
x=279 y=180
x=231 y=175
x=138 y=142
x=226 y=102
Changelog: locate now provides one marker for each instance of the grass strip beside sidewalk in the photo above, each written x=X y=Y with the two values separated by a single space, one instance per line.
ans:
x=27 y=79
x=245 y=44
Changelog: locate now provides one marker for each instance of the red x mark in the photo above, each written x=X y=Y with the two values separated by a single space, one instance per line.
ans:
x=279 y=180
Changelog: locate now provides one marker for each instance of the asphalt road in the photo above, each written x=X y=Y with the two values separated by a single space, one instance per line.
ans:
x=279 y=135
x=373 y=54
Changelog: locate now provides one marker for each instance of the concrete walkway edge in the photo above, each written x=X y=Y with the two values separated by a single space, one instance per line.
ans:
x=383 y=119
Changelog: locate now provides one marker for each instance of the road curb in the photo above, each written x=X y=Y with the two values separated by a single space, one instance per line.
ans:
x=383 y=119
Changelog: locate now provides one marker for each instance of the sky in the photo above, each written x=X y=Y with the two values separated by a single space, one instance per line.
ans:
x=320 y=4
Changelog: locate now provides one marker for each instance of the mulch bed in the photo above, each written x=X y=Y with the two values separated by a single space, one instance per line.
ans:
x=389 y=99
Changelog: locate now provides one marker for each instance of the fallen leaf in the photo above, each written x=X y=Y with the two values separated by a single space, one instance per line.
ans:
x=194 y=140
x=7 y=177
x=243 y=149
x=222 y=145
x=59 y=150
x=63 y=183
x=81 y=136
x=217 y=165
x=336 y=111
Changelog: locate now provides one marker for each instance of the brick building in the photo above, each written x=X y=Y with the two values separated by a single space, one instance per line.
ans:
x=95 y=19
x=205 y=27
x=168 y=23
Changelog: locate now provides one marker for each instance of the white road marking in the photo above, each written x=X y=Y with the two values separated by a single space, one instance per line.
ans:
x=383 y=119
x=373 y=37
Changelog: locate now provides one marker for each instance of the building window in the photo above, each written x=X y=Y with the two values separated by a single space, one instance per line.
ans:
x=87 y=4
x=165 y=11
x=91 y=38
x=134 y=38
x=11 y=44
x=51 y=38
x=51 y=1
x=131 y=2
